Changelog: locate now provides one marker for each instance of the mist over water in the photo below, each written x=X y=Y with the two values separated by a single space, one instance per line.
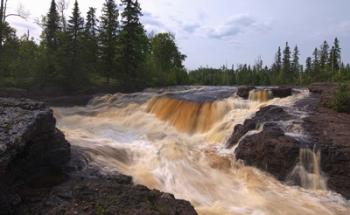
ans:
x=178 y=146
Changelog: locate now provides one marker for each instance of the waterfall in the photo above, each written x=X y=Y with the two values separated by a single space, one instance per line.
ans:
x=307 y=173
x=188 y=116
x=261 y=95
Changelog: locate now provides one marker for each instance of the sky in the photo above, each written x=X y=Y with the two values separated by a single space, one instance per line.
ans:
x=227 y=32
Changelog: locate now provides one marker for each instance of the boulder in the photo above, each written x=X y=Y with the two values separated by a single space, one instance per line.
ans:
x=281 y=92
x=266 y=114
x=243 y=91
x=270 y=150
x=40 y=174
x=29 y=139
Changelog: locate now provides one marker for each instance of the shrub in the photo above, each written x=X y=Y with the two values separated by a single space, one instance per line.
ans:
x=341 y=101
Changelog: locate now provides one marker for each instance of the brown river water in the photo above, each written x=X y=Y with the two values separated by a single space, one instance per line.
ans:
x=176 y=143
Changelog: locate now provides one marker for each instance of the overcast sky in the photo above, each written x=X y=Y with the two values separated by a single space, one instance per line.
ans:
x=218 y=32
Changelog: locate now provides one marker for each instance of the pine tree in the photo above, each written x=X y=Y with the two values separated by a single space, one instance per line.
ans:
x=295 y=64
x=316 y=65
x=336 y=56
x=75 y=24
x=91 y=23
x=286 y=65
x=108 y=37
x=52 y=26
x=75 y=31
x=132 y=44
x=90 y=53
x=324 y=55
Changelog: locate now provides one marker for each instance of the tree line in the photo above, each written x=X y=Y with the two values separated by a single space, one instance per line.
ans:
x=114 y=51
x=77 y=53
x=324 y=65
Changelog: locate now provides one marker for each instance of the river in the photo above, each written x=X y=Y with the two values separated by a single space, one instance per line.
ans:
x=174 y=141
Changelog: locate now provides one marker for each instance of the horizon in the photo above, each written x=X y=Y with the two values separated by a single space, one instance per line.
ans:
x=253 y=30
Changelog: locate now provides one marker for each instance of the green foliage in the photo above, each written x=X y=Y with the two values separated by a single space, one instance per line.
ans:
x=105 y=54
x=341 y=101
x=166 y=61
x=108 y=37
x=132 y=46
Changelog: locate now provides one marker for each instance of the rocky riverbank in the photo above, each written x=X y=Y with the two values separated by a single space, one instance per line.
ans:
x=270 y=147
x=41 y=174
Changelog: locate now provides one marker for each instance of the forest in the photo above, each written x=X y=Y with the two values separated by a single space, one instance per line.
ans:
x=83 y=53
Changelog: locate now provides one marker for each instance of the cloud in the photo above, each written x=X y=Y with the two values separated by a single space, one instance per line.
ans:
x=190 y=28
x=235 y=26
x=152 y=23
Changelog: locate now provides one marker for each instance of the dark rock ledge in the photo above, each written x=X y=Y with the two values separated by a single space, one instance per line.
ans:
x=277 y=153
x=41 y=174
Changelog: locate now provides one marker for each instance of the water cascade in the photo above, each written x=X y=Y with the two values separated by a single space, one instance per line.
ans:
x=261 y=95
x=307 y=172
x=178 y=146
x=188 y=116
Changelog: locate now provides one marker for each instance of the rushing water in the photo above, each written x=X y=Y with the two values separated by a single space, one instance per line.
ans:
x=176 y=144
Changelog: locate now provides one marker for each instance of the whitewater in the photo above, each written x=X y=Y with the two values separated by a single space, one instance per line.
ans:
x=174 y=140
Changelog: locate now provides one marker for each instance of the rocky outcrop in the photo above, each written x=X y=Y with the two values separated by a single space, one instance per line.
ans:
x=281 y=92
x=276 y=92
x=243 y=91
x=31 y=148
x=40 y=174
x=270 y=150
x=331 y=132
x=266 y=114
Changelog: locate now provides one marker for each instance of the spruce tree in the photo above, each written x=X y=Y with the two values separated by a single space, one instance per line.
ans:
x=132 y=45
x=336 y=56
x=52 y=26
x=90 y=53
x=308 y=64
x=91 y=27
x=286 y=65
x=324 y=55
x=108 y=37
x=75 y=31
x=316 y=65
x=75 y=24
x=295 y=64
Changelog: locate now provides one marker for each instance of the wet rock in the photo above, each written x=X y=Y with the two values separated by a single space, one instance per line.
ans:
x=281 y=92
x=243 y=91
x=270 y=150
x=266 y=114
x=329 y=130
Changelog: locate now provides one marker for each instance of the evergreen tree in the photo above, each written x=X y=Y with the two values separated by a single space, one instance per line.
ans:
x=277 y=66
x=75 y=31
x=308 y=64
x=75 y=24
x=285 y=76
x=324 y=55
x=52 y=26
x=90 y=47
x=295 y=64
x=336 y=56
x=132 y=44
x=316 y=63
x=108 y=37
x=91 y=28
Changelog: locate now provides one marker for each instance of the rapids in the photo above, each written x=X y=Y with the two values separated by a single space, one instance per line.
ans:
x=174 y=141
